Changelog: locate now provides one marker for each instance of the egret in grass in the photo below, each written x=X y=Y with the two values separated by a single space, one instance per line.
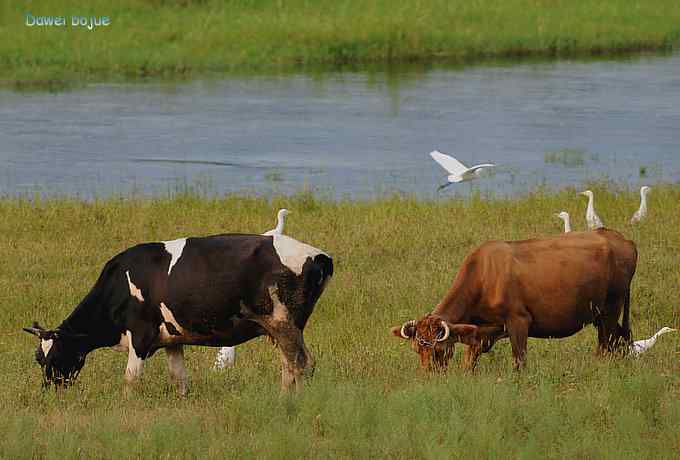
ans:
x=592 y=219
x=564 y=215
x=226 y=356
x=642 y=211
x=640 y=346
x=458 y=172
x=278 y=230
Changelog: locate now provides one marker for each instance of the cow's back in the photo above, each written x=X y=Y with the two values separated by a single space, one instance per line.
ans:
x=559 y=280
x=210 y=284
x=222 y=277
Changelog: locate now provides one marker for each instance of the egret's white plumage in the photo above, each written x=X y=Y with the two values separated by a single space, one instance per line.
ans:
x=640 y=346
x=642 y=211
x=592 y=219
x=226 y=356
x=564 y=215
x=458 y=172
x=278 y=230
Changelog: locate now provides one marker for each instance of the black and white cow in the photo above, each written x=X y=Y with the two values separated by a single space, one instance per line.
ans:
x=215 y=291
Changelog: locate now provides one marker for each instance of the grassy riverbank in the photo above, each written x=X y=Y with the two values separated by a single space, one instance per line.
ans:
x=184 y=37
x=394 y=258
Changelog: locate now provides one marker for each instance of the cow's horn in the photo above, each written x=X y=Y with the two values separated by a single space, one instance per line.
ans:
x=407 y=324
x=33 y=330
x=447 y=331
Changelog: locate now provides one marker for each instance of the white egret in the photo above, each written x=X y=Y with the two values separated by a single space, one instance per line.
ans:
x=642 y=212
x=592 y=219
x=640 y=346
x=226 y=356
x=458 y=172
x=564 y=215
x=278 y=230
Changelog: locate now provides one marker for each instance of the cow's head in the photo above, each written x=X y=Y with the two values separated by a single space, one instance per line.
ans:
x=433 y=339
x=58 y=354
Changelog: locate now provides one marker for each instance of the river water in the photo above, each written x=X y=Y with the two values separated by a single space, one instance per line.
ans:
x=352 y=135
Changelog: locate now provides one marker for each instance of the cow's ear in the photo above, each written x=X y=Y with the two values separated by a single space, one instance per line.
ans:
x=465 y=333
x=58 y=333
x=396 y=331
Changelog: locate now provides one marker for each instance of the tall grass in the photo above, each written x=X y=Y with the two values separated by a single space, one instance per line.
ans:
x=185 y=37
x=395 y=258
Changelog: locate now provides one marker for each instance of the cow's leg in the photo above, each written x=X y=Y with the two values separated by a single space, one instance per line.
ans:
x=141 y=338
x=518 y=330
x=178 y=373
x=488 y=336
x=471 y=357
x=135 y=365
x=609 y=334
x=601 y=339
x=296 y=360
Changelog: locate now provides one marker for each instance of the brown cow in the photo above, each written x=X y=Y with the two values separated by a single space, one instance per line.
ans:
x=549 y=287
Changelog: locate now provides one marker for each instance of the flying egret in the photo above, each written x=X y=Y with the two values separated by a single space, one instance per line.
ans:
x=642 y=212
x=278 y=230
x=226 y=356
x=564 y=215
x=640 y=346
x=594 y=222
x=458 y=172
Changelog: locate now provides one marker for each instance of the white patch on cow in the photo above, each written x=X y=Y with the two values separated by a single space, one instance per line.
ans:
x=135 y=364
x=134 y=290
x=280 y=311
x=170 y=318
x=46 y=345
x=175 y=249
x=294 y=254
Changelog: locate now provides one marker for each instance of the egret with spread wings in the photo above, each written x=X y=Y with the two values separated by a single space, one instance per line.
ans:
x=458 y=172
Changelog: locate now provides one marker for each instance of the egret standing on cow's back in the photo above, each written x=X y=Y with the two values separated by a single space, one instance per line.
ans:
x=642 y=211
x=592 y=219
x=458 y=172
x=278 y=230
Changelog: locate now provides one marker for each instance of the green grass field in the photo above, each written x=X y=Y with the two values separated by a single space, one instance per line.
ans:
x=394 y=259
x=183 y=38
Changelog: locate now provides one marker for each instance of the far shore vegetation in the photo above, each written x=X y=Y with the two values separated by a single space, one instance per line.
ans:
x=394 y=260
x=185 y=38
